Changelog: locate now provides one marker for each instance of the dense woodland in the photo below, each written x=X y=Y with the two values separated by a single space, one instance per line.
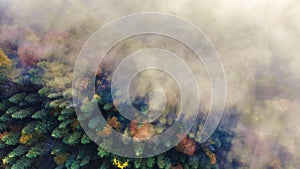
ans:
x=39 y=127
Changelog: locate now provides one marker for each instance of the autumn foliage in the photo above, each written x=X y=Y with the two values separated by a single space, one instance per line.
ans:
x=187 y=146
x=25 y=138
x=34 y=48
x=145 y=130
x=5 y=62
x=61 y=158
x=212 y=156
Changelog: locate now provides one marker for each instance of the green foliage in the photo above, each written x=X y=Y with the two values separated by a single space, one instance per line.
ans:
x=139 y=149
x=35 y=151
x=150 y=162
x=55 y=103
x=193 y=162
x=43 y=126
x=53 y=129
x=63 y=117
x=23 y=163
x=32 y=98
x=12 y=110
x=4 y=105
x=67 y=112
x=74 y=165
x=20 y=150
x=59 y=148
x=21 y=114
x=104 y=165
x=64 y=124
x=87 y=109
x=186 y=166
x=108 y=106
x=3 y=125
x=60 y=167
x=41 y=114
x=71 y=162
x=72 y=138
x=168 y=163
x=29 y=128
x=16 y=99
x=102 y=152
x=59 y=132
x=85 y=139
x=5 y=118
x=9 y=160
x=160 y=161
x=138 y=163
x=94 y=122
x=11 y=139
x=44 y=91
x=64 y=104
x=85 y=160
x=54 y=95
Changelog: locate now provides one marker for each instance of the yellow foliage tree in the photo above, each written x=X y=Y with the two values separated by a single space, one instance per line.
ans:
x=5 y=62
x=211 y=155
x=61 y=158
x=25 y=138
x=120 y=164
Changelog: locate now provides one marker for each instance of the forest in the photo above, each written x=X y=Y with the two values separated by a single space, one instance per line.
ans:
x=40 y=124
x=39 y=127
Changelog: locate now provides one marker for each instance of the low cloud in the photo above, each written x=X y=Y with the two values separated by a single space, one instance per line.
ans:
x=257 y=41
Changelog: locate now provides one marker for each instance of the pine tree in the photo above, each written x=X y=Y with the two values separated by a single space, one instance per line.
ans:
x=150 y=162
x=102 y=152
x=35 y=151
x=72 y=138
x=41 y=114
x=21 y=114
x=85 y=139
x=23 y=163
x=47 y=126
x=16 y=99
x=18 y=151
x=160 y=161
x=59 y=132
x=11 y=139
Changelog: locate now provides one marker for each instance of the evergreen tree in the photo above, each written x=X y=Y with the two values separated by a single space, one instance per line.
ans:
x=38 y=121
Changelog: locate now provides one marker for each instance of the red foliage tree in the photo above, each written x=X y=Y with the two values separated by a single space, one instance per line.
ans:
x=187 y=146
x=33 y=49
x=145 y=130
x=29 y=53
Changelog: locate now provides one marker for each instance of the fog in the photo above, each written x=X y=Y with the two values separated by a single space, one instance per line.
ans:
x=257 y=41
